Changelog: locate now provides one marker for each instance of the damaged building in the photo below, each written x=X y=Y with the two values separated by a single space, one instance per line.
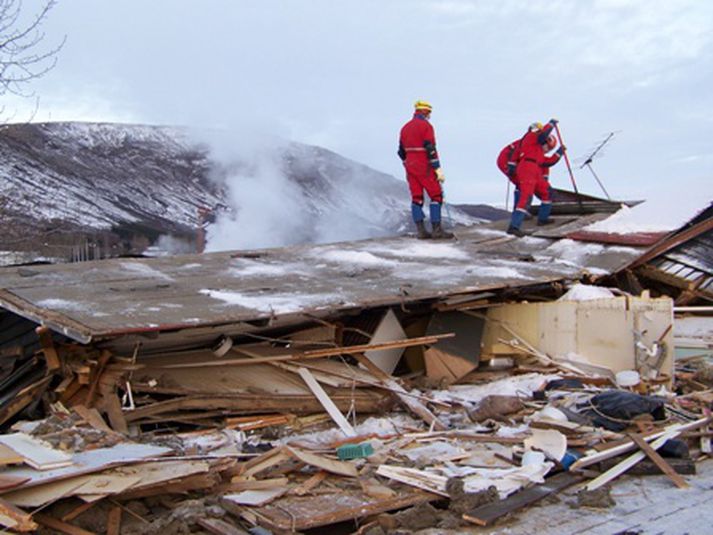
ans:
x=357 y=387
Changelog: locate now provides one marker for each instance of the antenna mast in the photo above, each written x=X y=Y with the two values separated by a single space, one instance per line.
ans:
x=588 y=161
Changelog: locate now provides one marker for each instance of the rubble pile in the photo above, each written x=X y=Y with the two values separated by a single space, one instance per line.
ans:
x=317 y=428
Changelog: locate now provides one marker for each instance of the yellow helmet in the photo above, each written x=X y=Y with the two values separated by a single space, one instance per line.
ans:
x=422 y=105
x=536 y=126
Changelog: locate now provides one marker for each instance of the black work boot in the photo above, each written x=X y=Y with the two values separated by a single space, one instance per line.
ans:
x=542 y=223
x=422 y=233
x=440 y=234
x=515 y=231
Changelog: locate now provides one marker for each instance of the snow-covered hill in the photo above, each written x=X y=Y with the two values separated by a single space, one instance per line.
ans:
x=61 y=183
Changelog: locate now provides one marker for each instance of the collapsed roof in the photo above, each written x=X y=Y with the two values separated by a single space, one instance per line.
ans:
x=94 y=301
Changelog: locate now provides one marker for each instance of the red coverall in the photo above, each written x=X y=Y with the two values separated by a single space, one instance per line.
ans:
x=548 y=162
x=531 y=162
x=509 y=154
x=417 y=149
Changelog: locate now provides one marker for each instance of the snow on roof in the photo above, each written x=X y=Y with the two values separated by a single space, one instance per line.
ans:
x=585 y=292
x=113 y=297
x=654 y=216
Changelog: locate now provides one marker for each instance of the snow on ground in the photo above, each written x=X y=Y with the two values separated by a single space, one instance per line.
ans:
x=645 y=505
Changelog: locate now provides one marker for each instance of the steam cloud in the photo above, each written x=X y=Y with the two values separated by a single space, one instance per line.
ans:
x=270 y=208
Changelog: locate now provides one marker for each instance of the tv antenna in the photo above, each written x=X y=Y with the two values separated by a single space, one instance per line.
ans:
x=595 y=153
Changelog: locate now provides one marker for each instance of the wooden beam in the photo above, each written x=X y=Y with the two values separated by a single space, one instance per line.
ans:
x=60 y=526
x=48 y=348
x=316 y=353
x=408 y=401
x=326 y=402
x=620 y=449
x=113 y=521
x=366 y=402
x=310 y=483
x=659 y=461
x=74 y=513
x=630 y=461
x=96 y=376
x=15 y=518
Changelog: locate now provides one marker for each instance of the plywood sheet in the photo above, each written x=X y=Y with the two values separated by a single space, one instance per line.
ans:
x=90 y=461
x=299 y=513
x=222 y=380
x=37 y=453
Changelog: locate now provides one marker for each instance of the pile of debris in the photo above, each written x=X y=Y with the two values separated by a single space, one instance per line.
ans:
x=389 y=421
x=351 y=388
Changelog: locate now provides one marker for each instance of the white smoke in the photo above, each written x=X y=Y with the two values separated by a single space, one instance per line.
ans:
x=267 y=208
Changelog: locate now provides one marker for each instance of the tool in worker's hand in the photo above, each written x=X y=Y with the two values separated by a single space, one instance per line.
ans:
x=448 y=208
x=566 y=159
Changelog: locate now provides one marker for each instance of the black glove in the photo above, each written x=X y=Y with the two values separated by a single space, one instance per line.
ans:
x=561 y=150
x=554 y=122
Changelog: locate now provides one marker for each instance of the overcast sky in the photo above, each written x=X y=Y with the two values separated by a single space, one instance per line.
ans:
x=344 y=75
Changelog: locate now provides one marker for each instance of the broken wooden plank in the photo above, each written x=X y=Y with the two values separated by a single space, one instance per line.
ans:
x=23 y=398
x=74 y=513
x=341 y=468
x=619 y=449
x=48 y=348
x=289 y=514
x=659 y=461
x=267 y=460
x=420 y=479
x=63 y=527
x=365 y=401
x=601 y=480
x=326 y=402
x=92 y=417
x=16 y=519
x=95 y=377
x=111 y=404
x=409 y=402
x=318 y=353
x=113 y=521
x=487 y=514
x=310 y=484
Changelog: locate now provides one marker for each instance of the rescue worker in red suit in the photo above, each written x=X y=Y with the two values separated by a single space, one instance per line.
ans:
x=507 y=160
x=529 y=176
x=417 y=150
x=507 y=163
